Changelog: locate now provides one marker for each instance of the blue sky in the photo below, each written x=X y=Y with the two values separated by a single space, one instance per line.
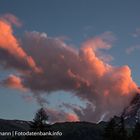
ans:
x=76 y=20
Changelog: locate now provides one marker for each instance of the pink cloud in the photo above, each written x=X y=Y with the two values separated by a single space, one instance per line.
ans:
x=48 y=64
x=11 y=53
x=60 y=115
x=11 y=19
x=14 y=82
x=72 y=117
x=132 y=49
x=80 y=71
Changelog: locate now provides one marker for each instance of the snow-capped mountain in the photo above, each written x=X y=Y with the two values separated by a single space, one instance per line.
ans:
x=131 y=113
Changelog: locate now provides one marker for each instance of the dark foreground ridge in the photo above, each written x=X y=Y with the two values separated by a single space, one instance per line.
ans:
x=69 y=130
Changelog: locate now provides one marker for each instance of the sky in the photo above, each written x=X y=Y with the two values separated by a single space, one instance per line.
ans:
x=45 y=29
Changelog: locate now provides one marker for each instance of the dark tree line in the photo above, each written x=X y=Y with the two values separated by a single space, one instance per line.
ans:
x=117 y=131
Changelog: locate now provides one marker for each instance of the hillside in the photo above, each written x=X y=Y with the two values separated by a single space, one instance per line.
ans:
x=70 y=130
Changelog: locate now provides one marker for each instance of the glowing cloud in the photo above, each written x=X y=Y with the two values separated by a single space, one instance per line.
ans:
x=11 y=54
x=82 y=72
x=14 y=82
x=72 y=117
x=61 y=116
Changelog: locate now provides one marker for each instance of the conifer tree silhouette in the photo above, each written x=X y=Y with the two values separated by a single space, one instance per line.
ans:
x=39 y=124
x=136 y=132
x=110 y=130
